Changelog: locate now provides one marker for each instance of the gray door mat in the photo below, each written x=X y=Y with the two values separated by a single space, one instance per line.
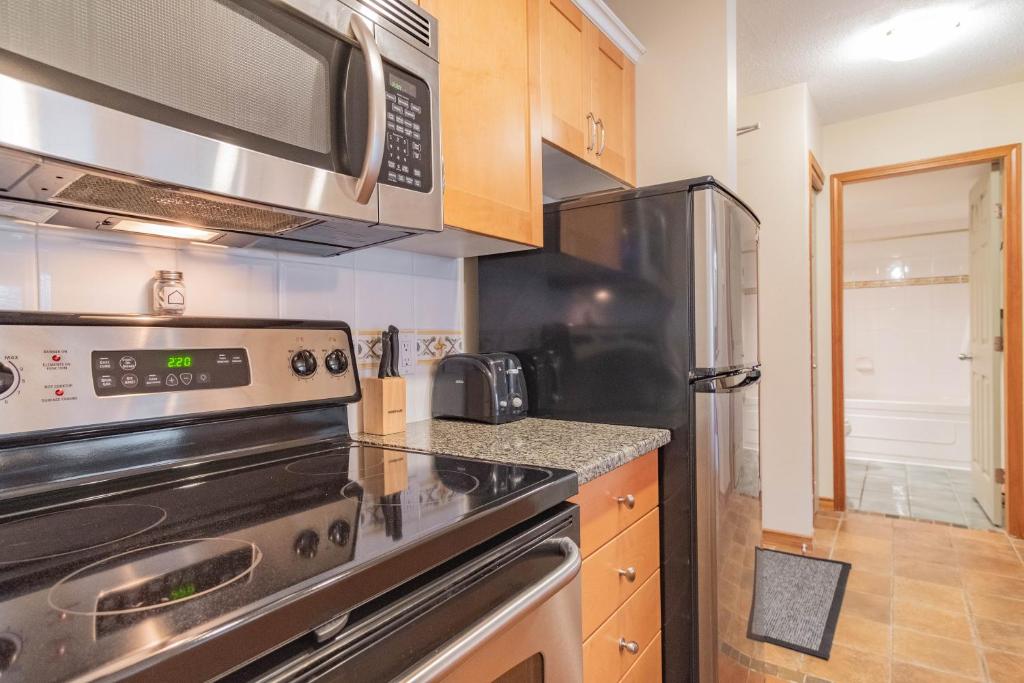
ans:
x=796 y=601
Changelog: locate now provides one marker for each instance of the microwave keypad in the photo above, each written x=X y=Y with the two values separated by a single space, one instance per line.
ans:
x=407 y=152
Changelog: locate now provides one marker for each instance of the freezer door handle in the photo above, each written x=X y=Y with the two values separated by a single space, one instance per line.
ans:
x=725 y=384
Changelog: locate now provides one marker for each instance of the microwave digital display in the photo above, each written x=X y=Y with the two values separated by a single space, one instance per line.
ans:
x=401 y=85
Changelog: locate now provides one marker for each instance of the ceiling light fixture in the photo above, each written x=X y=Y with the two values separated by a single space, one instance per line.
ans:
x=181 y=232
x=909 y=36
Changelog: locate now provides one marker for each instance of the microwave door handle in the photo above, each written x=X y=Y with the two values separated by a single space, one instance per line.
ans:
x=376 y=122
x=470 y=640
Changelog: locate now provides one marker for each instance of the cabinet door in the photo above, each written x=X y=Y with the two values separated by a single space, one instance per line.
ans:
x=490 y=116
x=613 y=98
x=565 y=87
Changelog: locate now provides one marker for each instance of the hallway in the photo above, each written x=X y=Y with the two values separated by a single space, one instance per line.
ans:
x=927 y=603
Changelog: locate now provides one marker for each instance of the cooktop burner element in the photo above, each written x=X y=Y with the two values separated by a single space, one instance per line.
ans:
x=320 y=466
x=72 y=531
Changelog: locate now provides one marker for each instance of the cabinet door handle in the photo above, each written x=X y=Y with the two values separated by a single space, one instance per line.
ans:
x=600 y=150
x=629 y=574
x=629 y=500
x=591 y=132
x=630 y=646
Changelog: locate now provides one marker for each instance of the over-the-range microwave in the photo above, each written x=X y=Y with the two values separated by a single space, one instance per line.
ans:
x=302 y=125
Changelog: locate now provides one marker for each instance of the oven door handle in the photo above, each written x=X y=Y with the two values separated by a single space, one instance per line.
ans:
x=470 y=640
x=376 y=121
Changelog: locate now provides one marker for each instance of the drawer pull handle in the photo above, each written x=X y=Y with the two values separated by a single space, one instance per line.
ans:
x=628 y=500
x=630 y=646
x=629 y=574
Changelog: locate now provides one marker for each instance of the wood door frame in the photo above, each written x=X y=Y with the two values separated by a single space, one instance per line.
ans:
x=815 y=184
x=1013 y=357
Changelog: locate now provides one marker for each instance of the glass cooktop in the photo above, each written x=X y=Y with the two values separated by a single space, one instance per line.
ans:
x=95 y=587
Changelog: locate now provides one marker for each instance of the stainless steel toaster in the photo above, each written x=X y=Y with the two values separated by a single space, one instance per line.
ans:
x=481 y=387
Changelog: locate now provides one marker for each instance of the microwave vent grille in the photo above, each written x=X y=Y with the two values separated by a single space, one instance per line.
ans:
x=403 y=16
x=127 y=197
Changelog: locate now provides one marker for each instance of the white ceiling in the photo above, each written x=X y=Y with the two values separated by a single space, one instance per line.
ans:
x=936 y=201
x=784 y=42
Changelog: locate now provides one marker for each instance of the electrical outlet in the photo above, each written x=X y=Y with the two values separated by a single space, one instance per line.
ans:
x=406 y=353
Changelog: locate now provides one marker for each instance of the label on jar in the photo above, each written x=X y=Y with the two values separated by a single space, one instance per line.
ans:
x=169 y=298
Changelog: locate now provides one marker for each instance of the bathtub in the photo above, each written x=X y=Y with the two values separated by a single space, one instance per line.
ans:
x=909 y=433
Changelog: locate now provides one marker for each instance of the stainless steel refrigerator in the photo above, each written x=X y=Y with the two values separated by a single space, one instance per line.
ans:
x=641 y=309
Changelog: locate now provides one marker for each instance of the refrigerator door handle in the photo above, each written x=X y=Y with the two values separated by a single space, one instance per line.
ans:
x=725 y=384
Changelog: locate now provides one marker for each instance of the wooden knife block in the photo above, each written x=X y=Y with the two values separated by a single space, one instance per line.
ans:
x=383 y=405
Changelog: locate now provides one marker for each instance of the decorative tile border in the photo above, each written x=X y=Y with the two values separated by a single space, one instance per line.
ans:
x=431 y=346
x=907 y=282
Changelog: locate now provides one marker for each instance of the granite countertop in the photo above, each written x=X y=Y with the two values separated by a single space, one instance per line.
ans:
x=589 y=449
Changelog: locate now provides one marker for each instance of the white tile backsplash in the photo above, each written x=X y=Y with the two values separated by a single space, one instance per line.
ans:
x=384 y=298
x=316 y=292
x=84 y=275
x=18 y=281
x=223 y=282
x=78 y=271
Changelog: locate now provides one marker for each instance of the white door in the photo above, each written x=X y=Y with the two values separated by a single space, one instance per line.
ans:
x=986 y=275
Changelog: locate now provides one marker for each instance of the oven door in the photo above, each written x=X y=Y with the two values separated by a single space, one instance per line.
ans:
x=510 y=615
x=281 y=103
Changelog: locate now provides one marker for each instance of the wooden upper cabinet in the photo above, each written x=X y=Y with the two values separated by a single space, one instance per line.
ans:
x=564 y=88
x=490 y=116
x=588 y=91
x=613 y=94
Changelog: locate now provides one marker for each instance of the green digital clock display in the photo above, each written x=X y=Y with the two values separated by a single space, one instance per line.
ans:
x=179 y=361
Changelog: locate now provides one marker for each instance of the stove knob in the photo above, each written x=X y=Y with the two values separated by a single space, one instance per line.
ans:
x=307 y=543
x=8 y=379
x=336 y=362
x=339 y=532
x=304 y=363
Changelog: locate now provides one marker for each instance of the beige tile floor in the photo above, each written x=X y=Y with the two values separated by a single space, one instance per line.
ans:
x=924 y=603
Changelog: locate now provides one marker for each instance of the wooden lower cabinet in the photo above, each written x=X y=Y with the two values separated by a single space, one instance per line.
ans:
x=620 y=527
x=615 y=501
x=618 y=569
x=607 y=654
x=648 y=665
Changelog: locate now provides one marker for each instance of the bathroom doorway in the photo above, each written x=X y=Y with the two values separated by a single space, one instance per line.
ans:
x=926 y=311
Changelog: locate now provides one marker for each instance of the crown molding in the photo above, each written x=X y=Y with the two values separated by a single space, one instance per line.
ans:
x=606 y=20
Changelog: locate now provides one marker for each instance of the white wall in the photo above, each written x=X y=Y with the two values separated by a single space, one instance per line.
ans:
x=56 y=269
x=685 y=88
x=773 y=179
x=901 y=340
x=987 y=118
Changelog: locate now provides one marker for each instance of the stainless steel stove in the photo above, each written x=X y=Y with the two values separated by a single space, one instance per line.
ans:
x=180 y=500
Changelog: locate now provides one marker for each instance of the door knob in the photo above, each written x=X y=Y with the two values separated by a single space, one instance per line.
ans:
x=628 y=500
x=629 y=574
x=630 y=646
x=965 y=356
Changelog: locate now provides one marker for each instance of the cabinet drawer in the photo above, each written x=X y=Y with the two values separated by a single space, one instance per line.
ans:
x=604 y=502
x=637 y=621
x=606 y=582
x=648 y=666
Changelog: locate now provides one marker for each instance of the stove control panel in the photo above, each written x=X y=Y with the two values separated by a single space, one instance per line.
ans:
x=55 y=374
x=142 y=371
